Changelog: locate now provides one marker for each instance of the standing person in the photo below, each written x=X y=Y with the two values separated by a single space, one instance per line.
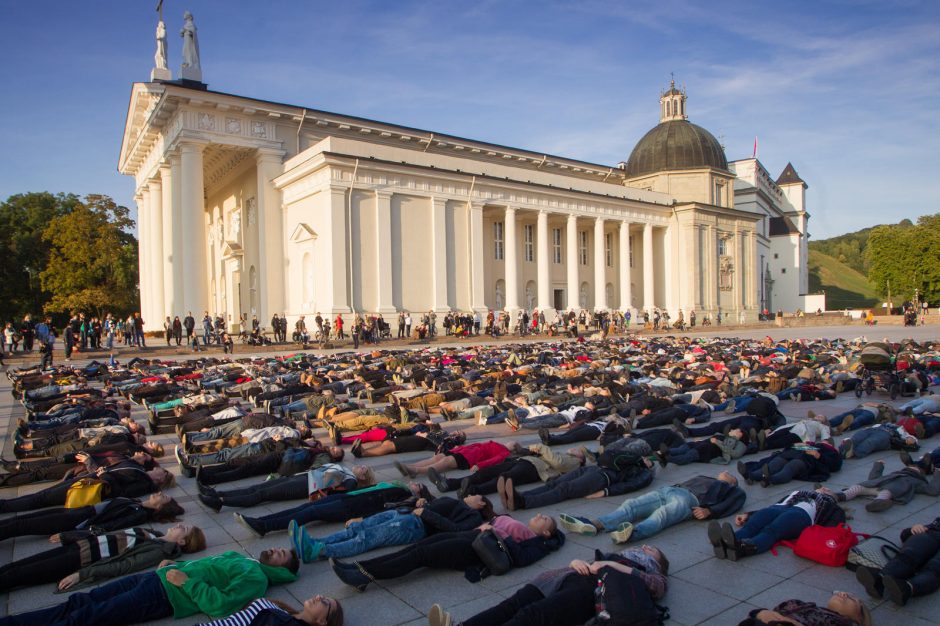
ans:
x=9 y=336
x=284 y=327
x=69 y=341
x=276 y=327
x=177 y=330
x=189 y=323
x=109 y=332
x=401 y=325
x=338 y=323
x=83 y=328
x=46 y=346
x=130 y=333
x=26 y=330
x=139 y=329
x=207 y=329
x=407 y=324
x=168 y=329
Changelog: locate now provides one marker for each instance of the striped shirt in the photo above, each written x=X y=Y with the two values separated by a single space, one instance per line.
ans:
x=246 y=615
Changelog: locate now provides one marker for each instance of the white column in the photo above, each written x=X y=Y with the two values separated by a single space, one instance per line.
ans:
x=271 y=261
x=738 y=275
x=571 y=262
x=156 y=251
x=170 y=269
x=143 y=261
x=383 y=256
x=600 y=266
x=337 y=281
x=544 y=264
x=649 y=292
x=439 y=253
x=669 y=254
x=195 y=290
x=176 y=177
x=512 y=282
x=626 y=292
x=477 y=288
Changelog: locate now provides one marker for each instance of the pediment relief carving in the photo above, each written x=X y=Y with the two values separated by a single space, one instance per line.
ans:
x=303 y=233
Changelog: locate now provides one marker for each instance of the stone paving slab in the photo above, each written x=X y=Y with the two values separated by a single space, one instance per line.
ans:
x=703 y=589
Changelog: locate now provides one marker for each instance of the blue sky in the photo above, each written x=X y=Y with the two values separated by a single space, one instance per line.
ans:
x=846 y=90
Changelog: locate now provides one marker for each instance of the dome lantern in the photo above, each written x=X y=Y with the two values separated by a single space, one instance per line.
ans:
x=672 y=104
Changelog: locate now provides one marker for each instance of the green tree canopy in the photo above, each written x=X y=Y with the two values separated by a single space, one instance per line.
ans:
x=23 y=220
x=906 y=258
x=92 y=259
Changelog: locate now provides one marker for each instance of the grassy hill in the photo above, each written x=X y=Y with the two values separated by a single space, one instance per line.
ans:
x=845 y=287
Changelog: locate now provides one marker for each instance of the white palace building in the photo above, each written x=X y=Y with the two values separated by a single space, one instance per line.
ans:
x=254 y=207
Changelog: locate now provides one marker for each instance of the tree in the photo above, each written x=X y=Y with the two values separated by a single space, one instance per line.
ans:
x=23 y=219
x=906 y=256
x=93 y=259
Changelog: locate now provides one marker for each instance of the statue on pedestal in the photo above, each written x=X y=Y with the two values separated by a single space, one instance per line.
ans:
x=159 y=58
x=191 y=69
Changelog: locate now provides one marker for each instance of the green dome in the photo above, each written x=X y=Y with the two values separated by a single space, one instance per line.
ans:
x=675 y=145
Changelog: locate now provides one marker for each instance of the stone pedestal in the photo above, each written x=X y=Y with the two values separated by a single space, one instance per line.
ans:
x=191 y=73
x=160 y=74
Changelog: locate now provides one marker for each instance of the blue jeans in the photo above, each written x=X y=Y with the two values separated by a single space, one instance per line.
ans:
x=860 y=417
x=552 y=420
x=864 y=442
x=922 y=405
x=225 y=454
x=389 y=528
x=499 y=418
x=652 y=512
x=767 y=526
x=683 y=455
x=332 y=508
x=128 y=600
x=230 y=429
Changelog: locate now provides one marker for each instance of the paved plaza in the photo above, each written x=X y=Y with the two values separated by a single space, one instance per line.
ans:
x=702 y=589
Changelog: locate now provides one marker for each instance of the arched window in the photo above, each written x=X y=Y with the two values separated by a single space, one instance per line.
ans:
x=308 y=284
x=253 y=290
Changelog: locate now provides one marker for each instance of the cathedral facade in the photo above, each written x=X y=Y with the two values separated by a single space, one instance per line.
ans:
x=250 y=207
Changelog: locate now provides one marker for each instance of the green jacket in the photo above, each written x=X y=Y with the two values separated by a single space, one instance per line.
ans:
x=220 y=585
x=143 y=555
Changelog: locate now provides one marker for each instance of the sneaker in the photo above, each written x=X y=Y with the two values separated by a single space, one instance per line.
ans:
x=464 y=490
x=438 y=479
x=185 y=468
x=871 y=580
x=439 y=617
x=481 y=421
x=212 y=501
x=730 y=408
x=513 y=422
x=623 y=533
x=898 y=591
x=356 y=448
x=545 y=436
x=579 y=525
x=336 y=434
x=403 y=470
x=878 y=505
x=305 y=547
x=249 y=523
x=351 y=574
x=847 y=449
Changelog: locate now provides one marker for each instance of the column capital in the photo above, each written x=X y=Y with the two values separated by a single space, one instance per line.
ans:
x=269 y=155
x=475 y=205
x=510 y=209
x=599 y=220
x=572 y=218
x=384 y=194
x=192 y=146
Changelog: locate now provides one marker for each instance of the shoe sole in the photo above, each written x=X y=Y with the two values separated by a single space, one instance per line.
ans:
x=622 y=536
x=729 y=542
x=893 y=591
x=575 y=525
x=714 y=538
x=867 y=579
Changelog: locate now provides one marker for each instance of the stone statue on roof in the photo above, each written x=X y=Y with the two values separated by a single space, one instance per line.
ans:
x=191 y=69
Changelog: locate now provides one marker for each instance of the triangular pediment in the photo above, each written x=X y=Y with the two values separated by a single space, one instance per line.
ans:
x=231 y=249
x=303 y=233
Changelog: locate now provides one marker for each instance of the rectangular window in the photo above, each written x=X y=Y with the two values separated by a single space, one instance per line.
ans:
x=498 y=241
x=556 y=245
x=719 y=194
x=722 y=246
x=609 y=249
x=632 y=245
x=528 y=230
x=582 y=247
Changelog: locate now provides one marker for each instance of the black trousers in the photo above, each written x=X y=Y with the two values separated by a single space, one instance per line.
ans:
x=53 y=471
x=581 y=432
x=46 y=567
x=443 y=551
x=44 y=522
x=51 y=496
x=570 y=605
x=240 y=468
x=918 y=562
x=285 y=488
x=484 y=481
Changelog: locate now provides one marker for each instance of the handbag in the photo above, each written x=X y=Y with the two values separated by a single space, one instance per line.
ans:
x=493 y=552
x=623 y=600
x=874 y=552
x=84 y=492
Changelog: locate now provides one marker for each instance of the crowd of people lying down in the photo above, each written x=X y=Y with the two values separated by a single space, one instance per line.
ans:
x=608 y=416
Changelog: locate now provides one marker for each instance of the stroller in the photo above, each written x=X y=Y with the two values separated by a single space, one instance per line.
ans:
x=877 y=370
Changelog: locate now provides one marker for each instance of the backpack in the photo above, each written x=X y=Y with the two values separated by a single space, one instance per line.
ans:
x=623 y=600
x=828 y=545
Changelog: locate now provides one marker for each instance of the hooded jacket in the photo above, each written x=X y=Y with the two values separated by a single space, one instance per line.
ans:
x=220 y=585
